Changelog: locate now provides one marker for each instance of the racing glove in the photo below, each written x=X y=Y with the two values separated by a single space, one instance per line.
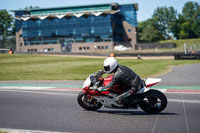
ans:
x=99 y=74
x=100 y=89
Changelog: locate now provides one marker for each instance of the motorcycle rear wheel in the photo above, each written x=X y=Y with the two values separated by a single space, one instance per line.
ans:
x=153 y=101
x=88 y=103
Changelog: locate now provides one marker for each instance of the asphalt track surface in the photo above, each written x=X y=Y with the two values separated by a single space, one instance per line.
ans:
x=185 y=75
x=58 y=111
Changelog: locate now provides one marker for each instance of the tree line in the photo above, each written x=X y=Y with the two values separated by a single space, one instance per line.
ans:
x=7 y=30
x=166 y=24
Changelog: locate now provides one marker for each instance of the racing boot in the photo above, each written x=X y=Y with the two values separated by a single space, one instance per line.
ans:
x=119 y=99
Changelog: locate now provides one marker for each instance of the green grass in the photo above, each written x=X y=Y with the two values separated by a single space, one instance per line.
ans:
x=180 y=44
x=3 y=132
x=37 y=67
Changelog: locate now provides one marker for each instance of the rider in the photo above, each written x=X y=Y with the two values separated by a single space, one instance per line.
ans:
x=122 y=75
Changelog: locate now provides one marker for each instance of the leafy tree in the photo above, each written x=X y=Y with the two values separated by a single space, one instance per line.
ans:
x=184 y=30
x=148 y=31
x=166 y=19
x=6 y=30
x=190 y=21
x=5 y=23
x=191 y=11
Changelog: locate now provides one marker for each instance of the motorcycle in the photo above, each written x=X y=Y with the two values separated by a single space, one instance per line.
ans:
x=149 y=100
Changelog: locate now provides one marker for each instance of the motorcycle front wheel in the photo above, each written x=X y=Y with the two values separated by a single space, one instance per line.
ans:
x=153 y=101
x=87 y=102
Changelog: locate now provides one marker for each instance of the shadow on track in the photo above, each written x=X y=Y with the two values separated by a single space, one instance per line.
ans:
x=130 y=112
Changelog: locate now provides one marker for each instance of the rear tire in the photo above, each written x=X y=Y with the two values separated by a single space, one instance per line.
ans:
x=88 y=103
x=153 y=101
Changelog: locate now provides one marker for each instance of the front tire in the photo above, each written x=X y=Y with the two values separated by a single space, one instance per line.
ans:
x=87 y=102
x=153 y=101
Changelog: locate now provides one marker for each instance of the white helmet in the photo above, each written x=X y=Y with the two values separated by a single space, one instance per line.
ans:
x=110 y=64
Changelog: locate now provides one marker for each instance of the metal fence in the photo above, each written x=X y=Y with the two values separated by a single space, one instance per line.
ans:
x=8 y=43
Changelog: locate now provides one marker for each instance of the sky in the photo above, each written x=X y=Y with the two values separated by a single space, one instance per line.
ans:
x=146 y=7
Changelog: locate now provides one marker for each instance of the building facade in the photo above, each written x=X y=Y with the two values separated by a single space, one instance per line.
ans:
x=86 y=28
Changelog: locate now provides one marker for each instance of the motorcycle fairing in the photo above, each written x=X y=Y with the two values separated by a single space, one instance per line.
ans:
x=152 y=81
x=107 y=101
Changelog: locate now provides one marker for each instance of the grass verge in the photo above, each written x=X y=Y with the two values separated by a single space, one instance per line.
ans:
x=37 y=67
x=3 y=132
x=180 y=44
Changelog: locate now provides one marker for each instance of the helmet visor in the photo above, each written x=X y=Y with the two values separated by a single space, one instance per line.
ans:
x=107 y=68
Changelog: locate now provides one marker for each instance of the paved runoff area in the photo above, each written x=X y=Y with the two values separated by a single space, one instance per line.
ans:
x=51 y=106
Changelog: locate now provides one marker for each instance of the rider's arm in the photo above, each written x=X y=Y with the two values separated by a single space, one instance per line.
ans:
x=99 y=73
x=115 y=79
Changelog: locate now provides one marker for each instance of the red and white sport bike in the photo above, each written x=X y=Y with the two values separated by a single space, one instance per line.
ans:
x=149 y=100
